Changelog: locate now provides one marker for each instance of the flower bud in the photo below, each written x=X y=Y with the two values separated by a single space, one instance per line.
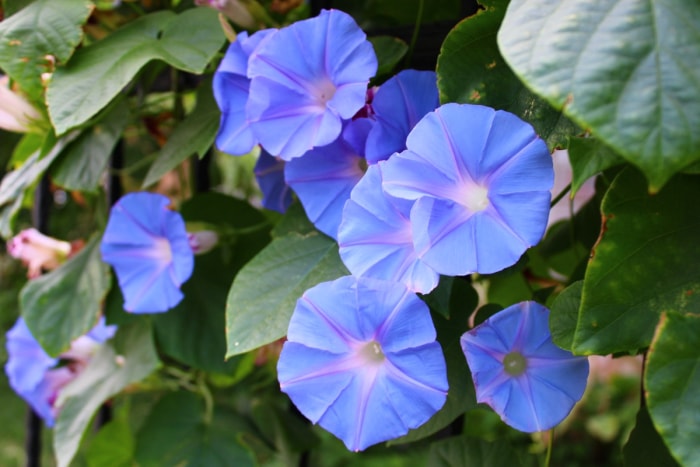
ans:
x=37 y=251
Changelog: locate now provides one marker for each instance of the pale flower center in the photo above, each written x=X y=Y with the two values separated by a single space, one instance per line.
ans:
x=163 y=250
x=514 y=364
x=325 y=90
x=477 y=198
x=372 y=352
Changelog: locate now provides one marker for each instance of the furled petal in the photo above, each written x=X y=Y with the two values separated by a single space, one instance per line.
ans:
x=362 y=361
x=398 y=106
x=375 y=236
x=323 y=180
x=269 y=172
x=552 y=380
x=148 y=246
x=231 y=88
x=306 y=79
x=482 y=179
x=27 y=361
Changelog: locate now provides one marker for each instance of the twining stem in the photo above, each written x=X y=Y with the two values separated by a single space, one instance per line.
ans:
x=561 y=194
x=416 y=30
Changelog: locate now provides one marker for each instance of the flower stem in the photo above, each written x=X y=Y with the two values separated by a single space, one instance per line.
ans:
x=416 y=30
x=550 y=442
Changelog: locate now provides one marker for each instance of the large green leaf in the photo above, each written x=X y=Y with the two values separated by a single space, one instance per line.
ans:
x=194 y=135
x=471 y=70
x=627 y=69
x=564 y=315
x=264 y=293
x=66 y=303
x=83 y=162
x=176 y=433
x=645 y=446
x=194 y=331
x=44 y=27
x=113 y=446
x=647 y=260
x=463 y=451
x=672 y=383
x=589 y=157
x=97 y=73
x=127 y=358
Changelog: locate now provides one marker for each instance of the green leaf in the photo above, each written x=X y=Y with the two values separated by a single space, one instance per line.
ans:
x=461 y=451
x=647 y=260
x=126 y=359
x=177 y=434
x=16 y=183
x=672 y=383
x=113 y=446
x=629 y=70
x=470 y=70
x=44 y=27
x=287 y=431
x=194 y=135
x=390 y=51
x=461 y=395
x=645 y=446
x=589 y=157
x=264 y=293
x=97 y=73
x=83 y=162
x=67 y=302
x=564 y=315
x=194 y=331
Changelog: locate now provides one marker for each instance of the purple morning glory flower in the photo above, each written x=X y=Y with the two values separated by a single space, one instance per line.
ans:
x=323 y=180
x=306 y=79
x=375 y=236
x=32 y=372
x=517 y=369
x=398 y=106
x=231 y=86
x=269 y=172
x=147 y=245
x=361 y=360
x=481 y=181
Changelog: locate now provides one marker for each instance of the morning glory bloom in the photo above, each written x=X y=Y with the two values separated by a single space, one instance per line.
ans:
x=323 y=180
x=481 y=181
x=269 y=172
x=147 y=245
x=361 y=360
x=398 y=106
x=518 y=371
x=306 y=79
x=231 y=86
x=375 y=236
x=33 y=374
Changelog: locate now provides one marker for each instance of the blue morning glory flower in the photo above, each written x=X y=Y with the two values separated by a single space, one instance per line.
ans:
x=306 y=79
x=398 y=106
x=375 y=236
x=323 y=180
x=147 y=245
x=481 y=181
x=231 y=86
x=269 y=172
x=361 y=360
x=32 y=373
x=518 y=371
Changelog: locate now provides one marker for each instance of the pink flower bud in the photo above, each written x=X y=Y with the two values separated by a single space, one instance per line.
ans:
x=202 y=241
x=37 y=251
x=16 y=113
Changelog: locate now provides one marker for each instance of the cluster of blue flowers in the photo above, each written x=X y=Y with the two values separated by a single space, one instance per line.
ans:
x=411 y=190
